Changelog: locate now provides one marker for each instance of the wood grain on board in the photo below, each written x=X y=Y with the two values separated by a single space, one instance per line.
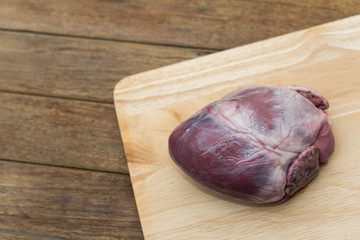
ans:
x=77 y=68
x=60 y=132
x=209 y=24
x=65 y=203
x=172 y=206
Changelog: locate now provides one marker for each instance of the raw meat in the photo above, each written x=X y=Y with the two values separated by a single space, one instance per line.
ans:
x=260 y=144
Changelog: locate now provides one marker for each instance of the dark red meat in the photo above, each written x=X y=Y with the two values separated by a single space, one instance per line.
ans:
x=259 y=143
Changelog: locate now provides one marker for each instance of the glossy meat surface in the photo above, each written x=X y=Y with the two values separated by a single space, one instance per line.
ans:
x=259 y=143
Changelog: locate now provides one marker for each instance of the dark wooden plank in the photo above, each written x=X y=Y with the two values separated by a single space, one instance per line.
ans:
x=21 y=236
x=66 y=203
x=76 y=68
x=212 y=24
x=60 y=132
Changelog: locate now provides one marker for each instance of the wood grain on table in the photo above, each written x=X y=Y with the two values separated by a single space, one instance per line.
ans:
x=63 y=173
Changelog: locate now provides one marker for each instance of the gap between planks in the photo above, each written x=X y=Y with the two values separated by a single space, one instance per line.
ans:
x=108 y=39
x=56 y=97
x=62 y=166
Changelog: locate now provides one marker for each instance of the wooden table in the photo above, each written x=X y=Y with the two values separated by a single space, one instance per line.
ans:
x=63 y=172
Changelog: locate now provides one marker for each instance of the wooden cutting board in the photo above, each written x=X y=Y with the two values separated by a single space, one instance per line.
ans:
x=172 y=206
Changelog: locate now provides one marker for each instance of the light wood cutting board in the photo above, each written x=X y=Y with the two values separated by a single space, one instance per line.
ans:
x=172 y=206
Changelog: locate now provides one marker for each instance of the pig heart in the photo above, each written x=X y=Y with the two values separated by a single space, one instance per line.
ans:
x=260 y=144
